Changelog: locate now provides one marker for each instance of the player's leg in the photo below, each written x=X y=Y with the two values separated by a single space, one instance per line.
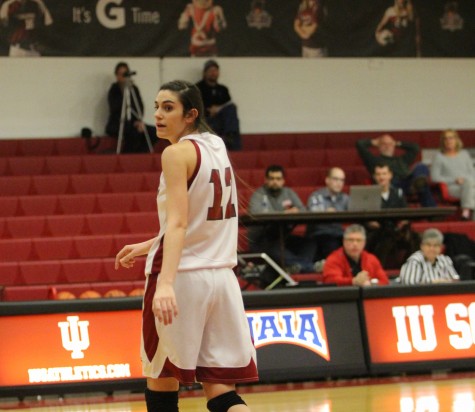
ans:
x=161 y=395
x=223 y=398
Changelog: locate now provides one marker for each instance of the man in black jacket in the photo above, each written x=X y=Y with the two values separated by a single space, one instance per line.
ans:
x=409 y=179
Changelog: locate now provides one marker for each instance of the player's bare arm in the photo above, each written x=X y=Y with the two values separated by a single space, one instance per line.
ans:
x=126 y=256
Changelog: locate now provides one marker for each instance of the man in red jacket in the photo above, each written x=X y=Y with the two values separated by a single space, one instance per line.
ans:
x=351 y=264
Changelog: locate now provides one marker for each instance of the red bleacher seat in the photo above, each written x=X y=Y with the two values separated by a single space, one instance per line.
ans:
x=445 y=196
x=105 y=223
x=134 y=163
x=304 y=176
x=141 y=222
x=101 y=164
x=75 y=288
x=89 y=183
x=304 y=192
x=64 y=165
x=26 y=165
x=251 y=142
x=466 y=228
x=25 y=293
x=40 y=272
x=342 y=158
x=25 y=226
x=341 y=141
x=9 y=274
x=308 y=158
x=66 y=225
x=83 y=270
x=125 y=182
x=77 y=204
x=129 y=238
x=53 y=248
x=125 y=286
x=8 y=205
x=4 y=166
x=9 y=147
x=157 y=162
x=93 y=246
x=278 y=141
x=50 y=184
x=3 y=231
x=12 y=250
x=242 y=177
x=15 y=185
x=36 y=147
x=244 y=159
x=310 y=141
x=275 y=157
x=116 y=202
x=137 y=272
x=70 y=146
x=38 y=205
x=146 y=201
x=151 y=181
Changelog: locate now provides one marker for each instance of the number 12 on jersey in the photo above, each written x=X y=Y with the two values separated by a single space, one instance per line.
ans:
x=215 y=212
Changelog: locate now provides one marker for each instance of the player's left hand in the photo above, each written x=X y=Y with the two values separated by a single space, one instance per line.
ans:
x=164 y=304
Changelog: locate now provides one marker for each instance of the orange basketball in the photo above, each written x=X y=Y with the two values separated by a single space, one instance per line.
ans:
x=65 y=295
x=89 y=294
x=115 y=293
x=137 y=292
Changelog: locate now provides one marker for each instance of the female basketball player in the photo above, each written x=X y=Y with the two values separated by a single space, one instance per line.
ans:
x=194 y=324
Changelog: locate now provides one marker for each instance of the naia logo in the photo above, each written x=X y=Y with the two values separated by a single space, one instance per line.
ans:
x=303 y=327
x=75 y=336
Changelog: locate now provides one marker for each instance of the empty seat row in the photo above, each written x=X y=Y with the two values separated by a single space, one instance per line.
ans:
x=81 y=224
x=78 y=183
x=68 y=247
x=51 y=272
x=467 y=228
x=336 y=140
x=46 y=292
x=77 y=204
x=59 y=165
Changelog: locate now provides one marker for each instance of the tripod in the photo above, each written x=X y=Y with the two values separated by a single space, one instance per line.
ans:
x=128 y=111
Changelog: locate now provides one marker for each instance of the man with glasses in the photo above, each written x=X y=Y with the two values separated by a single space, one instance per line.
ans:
x=351 y=265
x=327 y=237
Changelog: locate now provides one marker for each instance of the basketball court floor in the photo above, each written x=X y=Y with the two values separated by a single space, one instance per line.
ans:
x=427 y=393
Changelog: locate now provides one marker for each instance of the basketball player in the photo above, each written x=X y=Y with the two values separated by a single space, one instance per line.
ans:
x=194 y=324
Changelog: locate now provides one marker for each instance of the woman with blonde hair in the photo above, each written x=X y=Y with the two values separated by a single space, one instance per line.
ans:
x=454 y=167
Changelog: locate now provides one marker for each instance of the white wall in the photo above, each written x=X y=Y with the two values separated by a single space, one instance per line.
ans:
x=56 y=97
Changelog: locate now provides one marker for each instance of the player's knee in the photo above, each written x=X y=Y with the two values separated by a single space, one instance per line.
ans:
x=223 y=402
x=161 y=401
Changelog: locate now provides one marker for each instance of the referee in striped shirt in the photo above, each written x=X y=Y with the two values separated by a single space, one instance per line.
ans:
x=428 y=265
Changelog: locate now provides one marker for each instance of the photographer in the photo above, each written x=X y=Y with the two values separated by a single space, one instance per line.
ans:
x=134 y=138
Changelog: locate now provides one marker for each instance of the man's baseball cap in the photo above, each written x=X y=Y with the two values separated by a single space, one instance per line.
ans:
x=210 y=63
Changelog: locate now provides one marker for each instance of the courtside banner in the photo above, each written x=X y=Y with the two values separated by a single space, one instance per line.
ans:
x=420 y=328
x=65 y=348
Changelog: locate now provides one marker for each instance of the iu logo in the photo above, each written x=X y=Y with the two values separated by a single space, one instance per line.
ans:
x=75 y=336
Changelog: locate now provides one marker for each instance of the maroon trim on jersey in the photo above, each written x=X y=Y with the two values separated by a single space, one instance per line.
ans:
x=184 y=376
x=149 y=331
x=227 y=375
x=158 y=258
x=198 y=163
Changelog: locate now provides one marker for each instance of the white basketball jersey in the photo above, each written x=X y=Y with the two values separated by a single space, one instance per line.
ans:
x=211 y=237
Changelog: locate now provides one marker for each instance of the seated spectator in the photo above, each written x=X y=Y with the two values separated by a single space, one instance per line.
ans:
x=327 y=237
x=221 y=112
x=390 y=240
x=429 y=265
x=351 y=264
x=134 y=138
x=454 y=167
x=274 y=196
x=410 y=180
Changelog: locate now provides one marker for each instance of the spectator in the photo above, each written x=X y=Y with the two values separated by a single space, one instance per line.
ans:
x=454 y=167
x=410 y=180
x=134 y=138
x=273 y=196
x=429 y=265
x=327 y=237
x=390 y=240
x=351 y=264
x=221 y=112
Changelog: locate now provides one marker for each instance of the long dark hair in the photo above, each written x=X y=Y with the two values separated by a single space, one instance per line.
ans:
x=190 y=98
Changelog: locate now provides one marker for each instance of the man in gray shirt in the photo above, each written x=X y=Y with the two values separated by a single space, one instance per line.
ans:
x=275 y=197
